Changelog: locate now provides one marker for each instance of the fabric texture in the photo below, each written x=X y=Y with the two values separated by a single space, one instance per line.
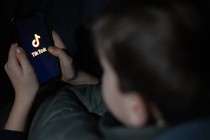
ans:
x=192 y=130
x=79 y=113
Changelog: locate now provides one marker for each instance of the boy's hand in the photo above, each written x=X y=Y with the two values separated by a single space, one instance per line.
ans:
x=21 y=74
x=66 y=62
x=69 y=73
x=25 y=83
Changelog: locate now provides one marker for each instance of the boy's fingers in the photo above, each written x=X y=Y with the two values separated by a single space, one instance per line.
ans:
x=13 y=63
x=61 y=54
x=58 y=42
x=12 y=57
x=6 y=67
x=24 y=62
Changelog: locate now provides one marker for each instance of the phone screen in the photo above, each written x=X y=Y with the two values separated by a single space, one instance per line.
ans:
x=34 y=37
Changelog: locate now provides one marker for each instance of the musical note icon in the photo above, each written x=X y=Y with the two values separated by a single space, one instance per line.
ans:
x=36 y=41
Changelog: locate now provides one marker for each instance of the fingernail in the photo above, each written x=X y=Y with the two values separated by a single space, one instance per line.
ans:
x=19 y=50
x=51 y=49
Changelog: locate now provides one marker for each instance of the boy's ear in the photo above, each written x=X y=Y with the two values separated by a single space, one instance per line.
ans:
x=136 y=108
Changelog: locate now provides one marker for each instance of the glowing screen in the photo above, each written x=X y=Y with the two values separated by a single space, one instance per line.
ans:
x=35 y=39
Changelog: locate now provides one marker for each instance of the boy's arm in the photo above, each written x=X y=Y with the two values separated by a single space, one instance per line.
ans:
x=24 y=81
x=18 y=115
x=83 y=78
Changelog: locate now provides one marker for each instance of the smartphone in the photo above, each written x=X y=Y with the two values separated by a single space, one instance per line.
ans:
x=34 y=37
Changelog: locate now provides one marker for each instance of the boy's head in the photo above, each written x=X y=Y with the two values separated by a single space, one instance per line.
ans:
x=154 y=58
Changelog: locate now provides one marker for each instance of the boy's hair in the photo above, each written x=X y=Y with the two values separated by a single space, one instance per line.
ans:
x=158 y=49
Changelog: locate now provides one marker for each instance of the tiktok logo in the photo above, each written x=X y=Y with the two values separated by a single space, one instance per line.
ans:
x=36 y=41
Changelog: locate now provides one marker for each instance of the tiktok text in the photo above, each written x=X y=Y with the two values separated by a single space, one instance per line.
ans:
x=38 y=52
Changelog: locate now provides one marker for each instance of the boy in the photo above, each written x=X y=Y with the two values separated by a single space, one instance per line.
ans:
x=154 y=77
